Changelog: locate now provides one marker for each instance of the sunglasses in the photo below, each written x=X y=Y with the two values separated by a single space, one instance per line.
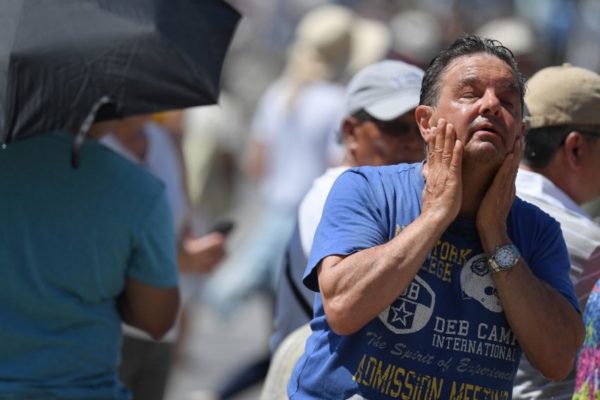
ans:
x=394 y=127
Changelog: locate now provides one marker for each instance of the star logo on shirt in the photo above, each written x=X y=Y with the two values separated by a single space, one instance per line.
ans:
x=401 y=314
x=412 y=310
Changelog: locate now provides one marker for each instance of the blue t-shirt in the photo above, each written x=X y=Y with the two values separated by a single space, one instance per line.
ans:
x=446 y=336
x=69 y=239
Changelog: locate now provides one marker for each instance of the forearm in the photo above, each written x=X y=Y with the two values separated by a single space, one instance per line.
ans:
x=547 y=327
x=124 y=309
x=150 y=309
x=356 y=288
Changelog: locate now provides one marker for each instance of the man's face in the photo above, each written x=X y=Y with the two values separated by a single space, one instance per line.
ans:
x=589 y=157
x=389 y=142
x=479 y=95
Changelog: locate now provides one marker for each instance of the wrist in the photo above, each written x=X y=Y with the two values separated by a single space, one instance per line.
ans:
x=491 y=240
x=437 y=220
x=504 y=258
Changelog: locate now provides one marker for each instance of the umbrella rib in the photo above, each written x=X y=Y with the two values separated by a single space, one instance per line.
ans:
x=10 y=90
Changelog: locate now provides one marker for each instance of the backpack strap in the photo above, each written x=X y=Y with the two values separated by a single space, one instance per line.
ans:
x=297 y=294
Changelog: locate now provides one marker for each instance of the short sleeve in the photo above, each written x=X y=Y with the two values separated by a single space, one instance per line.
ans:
x=352 y=220
x=544 y=248
x=153 y=260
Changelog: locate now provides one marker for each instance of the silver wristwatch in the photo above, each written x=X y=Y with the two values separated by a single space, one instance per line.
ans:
x=504 y=258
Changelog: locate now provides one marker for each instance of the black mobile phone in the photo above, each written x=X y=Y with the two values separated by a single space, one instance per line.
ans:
x=224 y=227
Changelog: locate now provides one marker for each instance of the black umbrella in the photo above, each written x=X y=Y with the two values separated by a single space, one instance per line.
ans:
x=59 y=59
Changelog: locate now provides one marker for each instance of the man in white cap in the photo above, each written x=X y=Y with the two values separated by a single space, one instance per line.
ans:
x=379 y=128
x=559 y=172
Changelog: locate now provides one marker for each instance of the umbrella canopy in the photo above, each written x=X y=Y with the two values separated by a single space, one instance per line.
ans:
x=59 y=57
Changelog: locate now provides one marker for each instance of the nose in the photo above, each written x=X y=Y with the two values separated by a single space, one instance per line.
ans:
x=490 y=103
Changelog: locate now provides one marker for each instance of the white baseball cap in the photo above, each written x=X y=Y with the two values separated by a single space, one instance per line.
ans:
x=385 y=90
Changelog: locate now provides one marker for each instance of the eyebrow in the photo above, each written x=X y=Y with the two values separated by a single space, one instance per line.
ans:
x=474 y=82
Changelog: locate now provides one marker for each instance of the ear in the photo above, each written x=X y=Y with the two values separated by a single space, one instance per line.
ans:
x=348 y=133
x=574 y=149
x=523 y=128
x=423 y=116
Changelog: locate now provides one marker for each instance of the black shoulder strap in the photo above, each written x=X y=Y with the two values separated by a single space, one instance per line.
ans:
x=301 y=300
x=84 y=129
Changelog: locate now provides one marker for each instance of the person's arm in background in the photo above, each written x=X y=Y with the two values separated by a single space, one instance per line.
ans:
x=194 y=254
x=201 y=254
x=254 y=159
x=149 y=308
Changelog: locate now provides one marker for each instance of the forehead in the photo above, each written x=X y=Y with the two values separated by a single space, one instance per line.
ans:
x=479 y=69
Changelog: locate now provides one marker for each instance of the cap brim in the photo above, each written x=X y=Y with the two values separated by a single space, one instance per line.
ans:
x=392 y=107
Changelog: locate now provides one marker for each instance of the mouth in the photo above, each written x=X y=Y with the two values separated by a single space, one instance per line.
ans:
x=485 y=128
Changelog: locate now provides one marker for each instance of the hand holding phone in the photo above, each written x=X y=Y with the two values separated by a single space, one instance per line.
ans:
x=223 y=227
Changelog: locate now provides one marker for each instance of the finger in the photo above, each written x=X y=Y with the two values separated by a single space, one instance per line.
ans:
x=449 y=141
x=431 y=140
x=440 y=137
x=456 y=162
x=504 y=183
x=515 y=159
x=506 y=169
x=430 y=147
x=519 y=148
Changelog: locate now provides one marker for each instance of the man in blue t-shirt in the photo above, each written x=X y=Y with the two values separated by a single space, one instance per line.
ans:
x=433 y=277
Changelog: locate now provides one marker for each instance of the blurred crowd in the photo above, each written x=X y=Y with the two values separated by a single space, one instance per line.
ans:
x=539 y=33
x=549 y=32
x=251 y=158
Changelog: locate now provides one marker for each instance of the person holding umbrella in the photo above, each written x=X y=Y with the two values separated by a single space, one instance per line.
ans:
x=83 y=249
x=87 y=237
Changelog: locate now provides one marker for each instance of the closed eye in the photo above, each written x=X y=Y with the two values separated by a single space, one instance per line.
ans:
x=508 y=102
x=468 y=95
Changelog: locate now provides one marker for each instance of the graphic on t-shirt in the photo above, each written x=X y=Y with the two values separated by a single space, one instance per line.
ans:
x=411 y=311
x=476 y=283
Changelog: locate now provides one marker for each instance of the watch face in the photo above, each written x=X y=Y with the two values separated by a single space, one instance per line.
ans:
x=506 y=256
